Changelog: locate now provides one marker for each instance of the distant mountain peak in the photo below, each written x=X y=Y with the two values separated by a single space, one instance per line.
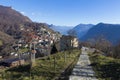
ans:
x=11 y=15
x=81 y=29
x=108 y=31
x=62 y=29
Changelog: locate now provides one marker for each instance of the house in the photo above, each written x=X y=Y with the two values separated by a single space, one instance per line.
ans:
x=75 y=42
x=12 y=62
x=68 y=42
x=65 y=42
x=0 y=57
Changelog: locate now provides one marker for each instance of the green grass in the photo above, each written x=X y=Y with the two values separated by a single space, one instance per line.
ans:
x=106 y=68
x=23 y=50
x=49 y=68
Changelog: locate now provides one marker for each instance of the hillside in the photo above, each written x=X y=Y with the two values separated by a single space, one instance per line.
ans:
x=81 y=29
x=15 y=27
x=5 y=38
x=11 y=20
x=11 y=16
x=106 y=68
x=5 y=41
x=108 y=31
x=14 y=23
x=47 y=68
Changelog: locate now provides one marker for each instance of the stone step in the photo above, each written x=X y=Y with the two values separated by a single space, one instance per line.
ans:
x=83 y=70
x=82 y=78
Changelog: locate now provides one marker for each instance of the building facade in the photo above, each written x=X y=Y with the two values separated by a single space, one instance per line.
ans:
x=68 y=42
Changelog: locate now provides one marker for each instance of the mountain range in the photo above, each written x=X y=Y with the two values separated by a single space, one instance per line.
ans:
x=108 y=31
x=85 y=32
x=81 y=29
x=62 y=29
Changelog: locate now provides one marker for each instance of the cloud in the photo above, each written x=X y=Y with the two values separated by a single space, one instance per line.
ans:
x=33 y=13
x=22 y=13
x=36 y=14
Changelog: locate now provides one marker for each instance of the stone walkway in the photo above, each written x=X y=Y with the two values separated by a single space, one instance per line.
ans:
x=83 y=70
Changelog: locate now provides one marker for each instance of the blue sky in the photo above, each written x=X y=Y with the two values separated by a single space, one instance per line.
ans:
x=68 y=12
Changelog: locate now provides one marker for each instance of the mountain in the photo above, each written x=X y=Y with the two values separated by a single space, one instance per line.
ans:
x=10 y=24
x=108 y=31
x=11 y=21
x=62 y=29
x=81 y=29
x=14 y=24
x=15 y=27
x=9 y=15
x=5 y=38
x=5 y=42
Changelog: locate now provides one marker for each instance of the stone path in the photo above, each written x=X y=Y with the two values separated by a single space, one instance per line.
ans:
x=83 y=70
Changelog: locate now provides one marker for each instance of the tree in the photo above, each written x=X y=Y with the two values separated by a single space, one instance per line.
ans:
x=116 y=51
x=54 y=49
x=101 y=44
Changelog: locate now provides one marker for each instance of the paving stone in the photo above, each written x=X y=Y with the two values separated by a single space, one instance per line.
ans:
x=83 y=70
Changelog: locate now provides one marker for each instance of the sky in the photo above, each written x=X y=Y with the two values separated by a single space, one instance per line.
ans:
x=68 y=12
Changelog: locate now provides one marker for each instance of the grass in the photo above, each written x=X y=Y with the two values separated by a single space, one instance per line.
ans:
x=23 y=50
x=53 y=67
x=106 y=68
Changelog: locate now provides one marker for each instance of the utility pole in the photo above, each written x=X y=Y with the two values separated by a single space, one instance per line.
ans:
x=32 y=56
x=33 y=52
x=19 y=54
x=18 y=50
x=30 y=60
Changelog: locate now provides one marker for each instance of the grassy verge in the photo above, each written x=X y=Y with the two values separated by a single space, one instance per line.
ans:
x=23 y=50
x=106 y=68
x=54 y=67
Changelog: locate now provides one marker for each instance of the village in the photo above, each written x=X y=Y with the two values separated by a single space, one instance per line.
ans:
x=37 y=44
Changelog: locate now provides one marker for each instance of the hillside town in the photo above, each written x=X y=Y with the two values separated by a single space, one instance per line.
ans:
x=39 y=43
